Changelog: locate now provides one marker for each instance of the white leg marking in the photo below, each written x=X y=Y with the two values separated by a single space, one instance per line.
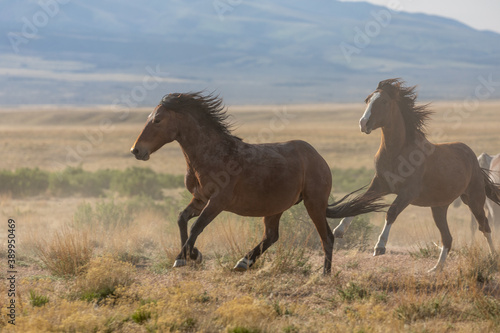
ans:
x=339 y=231
x=368 y=112
x=243 y=264
x=442 y=258
x=490 y=243
x=384 y=236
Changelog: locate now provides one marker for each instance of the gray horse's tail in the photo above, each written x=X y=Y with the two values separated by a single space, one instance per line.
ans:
x=492 y=189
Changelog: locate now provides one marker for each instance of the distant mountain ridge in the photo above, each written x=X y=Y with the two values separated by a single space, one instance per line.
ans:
x=111 y=52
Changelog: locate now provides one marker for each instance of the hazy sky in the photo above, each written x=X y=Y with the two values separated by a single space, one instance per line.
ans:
x=479 y=14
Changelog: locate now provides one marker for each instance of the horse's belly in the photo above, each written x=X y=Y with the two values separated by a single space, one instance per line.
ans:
x=264 y=205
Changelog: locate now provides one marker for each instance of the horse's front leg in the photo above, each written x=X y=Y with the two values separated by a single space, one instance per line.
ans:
x=400 y=203
x=207 y=215
x=192 y=210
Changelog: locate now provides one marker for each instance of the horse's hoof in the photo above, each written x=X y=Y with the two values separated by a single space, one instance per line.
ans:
x=379 y=251
x=242 y=265
x=435 y=269
x=199 y=258
x=179 y=263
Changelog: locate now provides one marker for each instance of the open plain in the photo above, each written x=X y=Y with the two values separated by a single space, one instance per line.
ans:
x=102 y=262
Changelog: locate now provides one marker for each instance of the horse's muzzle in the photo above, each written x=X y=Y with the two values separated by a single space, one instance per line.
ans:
x=364 y=126
x=143 y=156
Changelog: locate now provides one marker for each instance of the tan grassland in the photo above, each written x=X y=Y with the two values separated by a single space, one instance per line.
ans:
x=285 y=291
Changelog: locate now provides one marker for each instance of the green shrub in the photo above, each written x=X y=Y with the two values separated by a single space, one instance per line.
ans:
x=73 y=181
x=106 y=214
x=352 y=292
x=24 y=182
x=411 y=312
x=37 y=300
x=137 y=182
x=359 y=235
x=348 y=180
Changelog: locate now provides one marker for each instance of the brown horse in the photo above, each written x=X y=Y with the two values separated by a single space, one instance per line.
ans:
x=418 y=172
x=226 y=174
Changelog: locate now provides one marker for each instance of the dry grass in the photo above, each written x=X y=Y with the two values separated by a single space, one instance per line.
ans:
x=117 y=277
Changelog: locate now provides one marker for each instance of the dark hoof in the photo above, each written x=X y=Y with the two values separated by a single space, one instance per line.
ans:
x=242 y=265
x=199 y=258
x=379 y=251
x=179 y=263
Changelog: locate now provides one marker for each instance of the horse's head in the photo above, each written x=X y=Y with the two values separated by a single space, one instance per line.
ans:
x=160 y=129
x=379 y=106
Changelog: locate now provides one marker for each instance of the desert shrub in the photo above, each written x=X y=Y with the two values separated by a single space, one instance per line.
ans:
x=137 y=181
x=413 y=311
x=75 y=180
x=105 y=214
x=102 y=276
x=348 y=180
x=171 y=181
x=296 y=221
x=245 y=312
x=66 y=253
x=427 y=250
x=24 y=182
x=360 y=234
x=141 y=315
x=487 y=308
x=352 y=292
x=478 y=265
x=37 y=300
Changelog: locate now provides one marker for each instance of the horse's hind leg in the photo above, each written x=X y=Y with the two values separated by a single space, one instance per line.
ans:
x=484 y=226
x=473 y=227
x=318 y=215
x=477 y=200
x=439 y=215
x=271 y=235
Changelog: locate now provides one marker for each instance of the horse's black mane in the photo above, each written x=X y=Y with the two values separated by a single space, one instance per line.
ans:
x=208 y=109
x=415 y=116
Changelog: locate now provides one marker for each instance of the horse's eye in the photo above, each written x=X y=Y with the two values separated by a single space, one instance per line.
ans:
x=156 y=120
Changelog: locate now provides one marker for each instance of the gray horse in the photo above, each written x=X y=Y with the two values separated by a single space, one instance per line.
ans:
x=492 y=164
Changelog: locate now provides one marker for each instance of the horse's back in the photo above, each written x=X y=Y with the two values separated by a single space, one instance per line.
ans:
x=449 y=170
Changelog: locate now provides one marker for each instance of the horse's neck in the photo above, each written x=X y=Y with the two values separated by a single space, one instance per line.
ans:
x=393 y=136
x=202 y=149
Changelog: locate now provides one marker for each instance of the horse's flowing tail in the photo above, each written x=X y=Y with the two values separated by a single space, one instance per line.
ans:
x=492 y=189
x=361 y=204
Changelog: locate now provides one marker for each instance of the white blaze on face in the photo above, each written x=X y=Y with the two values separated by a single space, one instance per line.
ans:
x=368 y=112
